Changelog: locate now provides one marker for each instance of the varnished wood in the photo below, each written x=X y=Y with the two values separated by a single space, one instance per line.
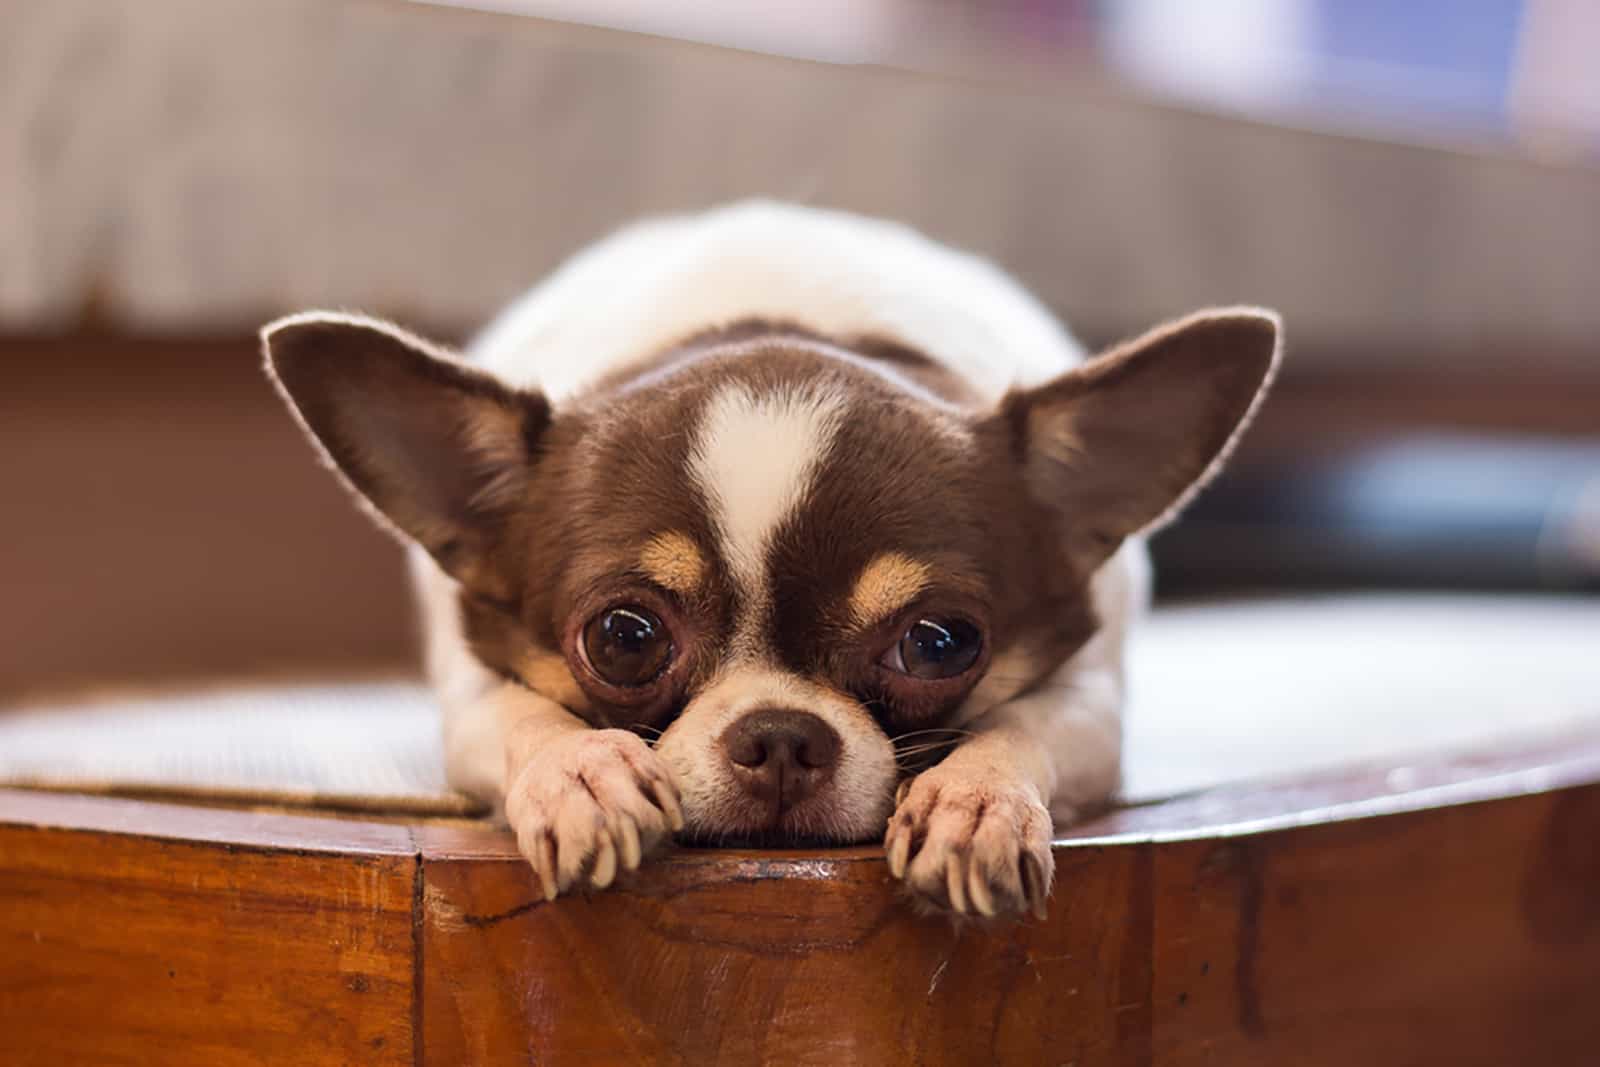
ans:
x=775 y=959
x=1349 y=918
x=1466 y=934
x=233 y=828
x=1443 y=911
x=202 y=937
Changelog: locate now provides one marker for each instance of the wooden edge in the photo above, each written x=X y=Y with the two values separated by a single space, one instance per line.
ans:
x=1353 y=792
x=266 y=830
x=1348 y=793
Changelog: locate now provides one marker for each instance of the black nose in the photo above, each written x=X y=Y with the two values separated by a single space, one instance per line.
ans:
x=781 y=756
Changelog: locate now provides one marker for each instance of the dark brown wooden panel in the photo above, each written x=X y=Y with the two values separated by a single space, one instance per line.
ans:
x=121 y=948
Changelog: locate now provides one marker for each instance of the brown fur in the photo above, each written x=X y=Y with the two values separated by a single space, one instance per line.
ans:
x=433 y=446
x=901 y=477
x=1127 y=439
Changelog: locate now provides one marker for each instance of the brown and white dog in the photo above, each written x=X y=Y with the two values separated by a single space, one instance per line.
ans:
x=777 y=525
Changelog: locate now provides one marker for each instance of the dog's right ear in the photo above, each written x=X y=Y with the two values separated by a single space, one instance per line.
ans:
x=1121 y=442
x=441 y=451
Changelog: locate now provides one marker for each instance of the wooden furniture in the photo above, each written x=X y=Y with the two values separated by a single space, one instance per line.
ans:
x=1442 y=912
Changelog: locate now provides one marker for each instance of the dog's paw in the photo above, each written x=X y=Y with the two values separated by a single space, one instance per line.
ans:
x=971 y=845
x=589 y=803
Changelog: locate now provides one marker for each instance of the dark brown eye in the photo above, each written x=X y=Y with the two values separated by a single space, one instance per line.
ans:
x=936 y=648
x=627 y=646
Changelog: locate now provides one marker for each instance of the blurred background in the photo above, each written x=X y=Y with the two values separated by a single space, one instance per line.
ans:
x=1415 y=186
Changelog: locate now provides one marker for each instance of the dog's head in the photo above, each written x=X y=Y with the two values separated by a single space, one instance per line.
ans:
x=796 y=570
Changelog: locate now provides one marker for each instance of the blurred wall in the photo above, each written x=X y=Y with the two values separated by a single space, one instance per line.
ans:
x=164 y=519
x=175 y=172
x=189 y=164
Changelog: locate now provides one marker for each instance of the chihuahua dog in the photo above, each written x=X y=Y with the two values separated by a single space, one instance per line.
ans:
x=775 y=525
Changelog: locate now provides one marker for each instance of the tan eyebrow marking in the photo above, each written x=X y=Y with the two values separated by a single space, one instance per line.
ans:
x=887 y=584
x=673 y=561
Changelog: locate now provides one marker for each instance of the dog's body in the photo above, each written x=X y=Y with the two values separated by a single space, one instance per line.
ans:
x=809 y=501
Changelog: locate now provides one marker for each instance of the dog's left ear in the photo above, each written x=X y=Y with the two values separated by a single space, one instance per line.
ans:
x=1122 y=442
x=440 y=451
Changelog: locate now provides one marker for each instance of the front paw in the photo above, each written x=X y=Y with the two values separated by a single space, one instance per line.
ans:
x=967 y=843
x=588 y=802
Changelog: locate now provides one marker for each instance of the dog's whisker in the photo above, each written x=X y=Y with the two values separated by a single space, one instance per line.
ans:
x=932 y=730
x=917 y=750
x=929 y=740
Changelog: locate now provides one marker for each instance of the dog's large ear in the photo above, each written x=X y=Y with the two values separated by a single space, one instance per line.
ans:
x=1122 y=442
x=440 y=451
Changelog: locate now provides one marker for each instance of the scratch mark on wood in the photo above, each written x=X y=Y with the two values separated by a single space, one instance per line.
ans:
x=938 y=973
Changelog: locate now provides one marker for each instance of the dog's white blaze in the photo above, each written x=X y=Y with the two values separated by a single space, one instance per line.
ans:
x=753 y=459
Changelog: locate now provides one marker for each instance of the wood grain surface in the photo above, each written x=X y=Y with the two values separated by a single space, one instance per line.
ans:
x=778 y=959
x=219 y=939
x=1444 y=912
x=1463 y=935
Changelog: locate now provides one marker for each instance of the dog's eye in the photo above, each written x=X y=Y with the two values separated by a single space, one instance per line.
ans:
x=627 y=646
x=936 y=648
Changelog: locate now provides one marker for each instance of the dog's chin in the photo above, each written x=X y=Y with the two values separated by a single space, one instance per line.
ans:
x=786 y=832
x=710 y=838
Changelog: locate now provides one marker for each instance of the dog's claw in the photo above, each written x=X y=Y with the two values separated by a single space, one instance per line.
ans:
x=980 y=895
x=1035 y=885
x=674 y=810
x=590 y=807
x=665 y=796
x=629 y=845
x=955 y=882
x=971 y=846
x=544 y=865
x=899 y=851
x=605 y=863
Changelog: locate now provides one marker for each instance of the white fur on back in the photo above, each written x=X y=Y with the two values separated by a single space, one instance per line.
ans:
x=658 y=282
x=753 y=458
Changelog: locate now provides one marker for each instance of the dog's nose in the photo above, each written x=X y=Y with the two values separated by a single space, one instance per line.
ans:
x=781 y=756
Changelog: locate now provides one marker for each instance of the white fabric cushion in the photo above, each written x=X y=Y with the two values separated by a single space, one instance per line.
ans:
x=1243 y=689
